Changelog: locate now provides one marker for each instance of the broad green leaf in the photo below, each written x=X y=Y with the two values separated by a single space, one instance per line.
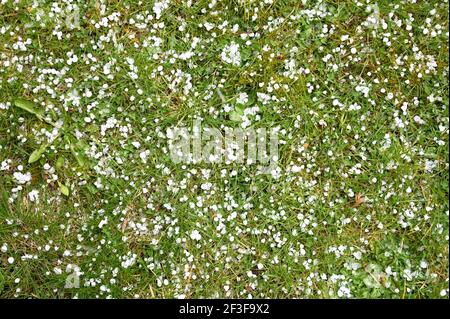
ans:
x=77 y=152
x=82 y=145
x=60 y=162
x=235 y=116
x=373 y=268
x=92 y=189
x=172 y=42
x=64 y=189
x=28 y=106
x=36 y=155
x=371 y=282
x=78 y=156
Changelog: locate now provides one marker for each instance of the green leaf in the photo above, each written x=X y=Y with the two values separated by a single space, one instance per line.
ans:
x=64 y=189
x=28 y=106
x=77 y=148
x=2 y=281
x=60 y=162
x=373 y=268
x=172 y=42
x=371 y=282
x=78 y=156
x=92 y=189
x=236 y=115
x=36 y=155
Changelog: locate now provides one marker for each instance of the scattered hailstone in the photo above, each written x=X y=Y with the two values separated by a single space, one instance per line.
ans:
x=144 y=156
x=5 y=165
x=242 y=98
x=231 y=54
x=33 y=196
x=136 y=144
x=22 y=178
x=195 y=235
x=159 y=7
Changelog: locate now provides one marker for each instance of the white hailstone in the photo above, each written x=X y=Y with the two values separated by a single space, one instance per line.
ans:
x=33 y=195
x=326 y=58
x=263 y=97
x=159 y=7
x=357 y=255
x=430 y=166
x=245 y=122
x=144 y=155
x=242 y=98
x=136 y=144
x=22 y=178
x=296 y=169
x=418 y=119
x=11 y=260
x=5 y=165
x=231 y=54
x=206 y=186
x=208 y=26
x=107 y=69
x=322 y=123
x=354 y=107
x=129 y=260
x=103 y=222
x=227 y=108
x=363 y=89
x=195 y=235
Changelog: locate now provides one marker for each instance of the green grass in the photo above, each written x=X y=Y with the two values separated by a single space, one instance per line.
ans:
x=357 y=192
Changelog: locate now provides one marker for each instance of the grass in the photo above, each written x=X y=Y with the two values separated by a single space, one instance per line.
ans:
x=359 y=210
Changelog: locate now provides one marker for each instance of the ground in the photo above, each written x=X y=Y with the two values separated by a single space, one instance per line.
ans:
x=93 y=205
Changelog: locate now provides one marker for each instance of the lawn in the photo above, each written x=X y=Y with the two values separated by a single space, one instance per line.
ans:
x=94 y=94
